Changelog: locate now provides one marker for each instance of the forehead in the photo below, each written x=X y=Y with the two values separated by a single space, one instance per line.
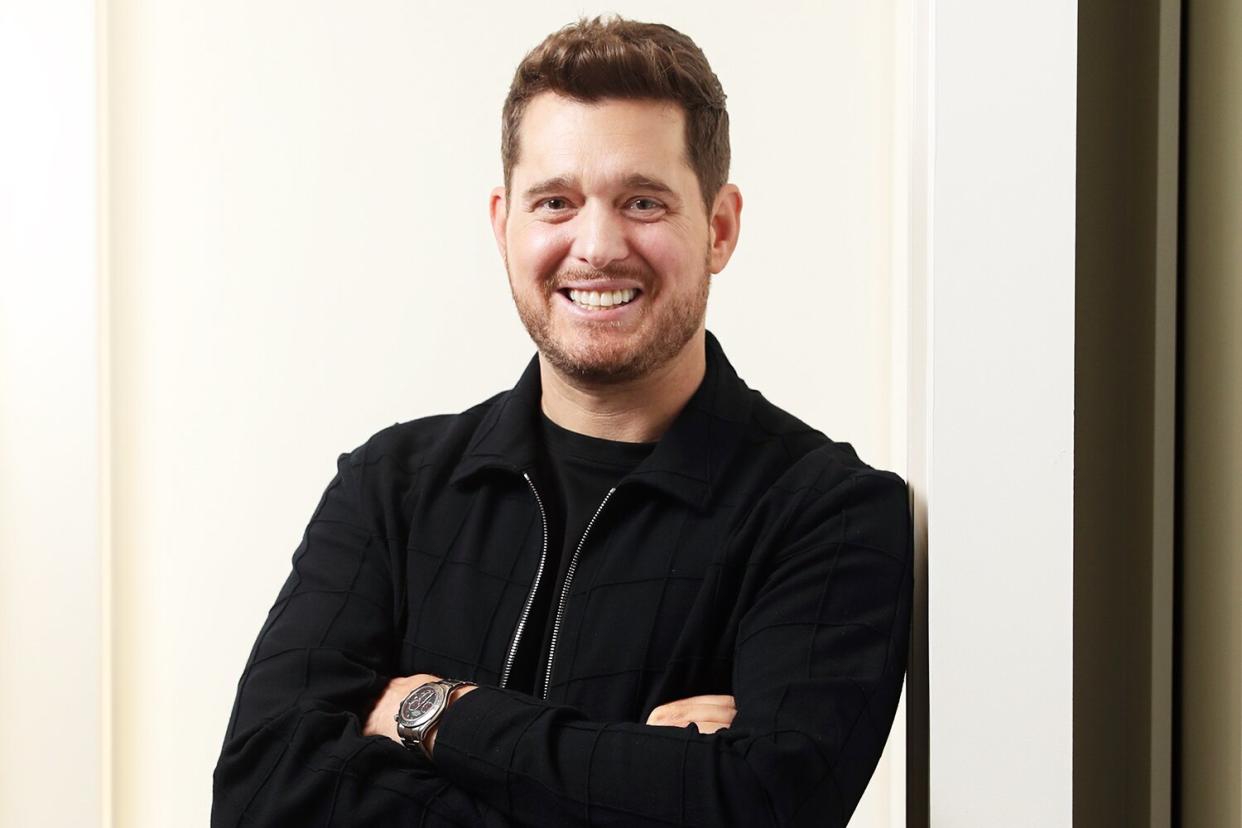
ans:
x=607 y=138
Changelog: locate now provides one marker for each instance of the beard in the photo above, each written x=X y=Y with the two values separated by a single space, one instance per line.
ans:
x=611 y=358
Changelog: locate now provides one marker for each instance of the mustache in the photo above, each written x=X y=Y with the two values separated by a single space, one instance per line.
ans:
x=578 y=275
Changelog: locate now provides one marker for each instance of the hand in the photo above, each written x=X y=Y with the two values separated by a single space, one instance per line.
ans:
x=709 y=713
x=383 y=718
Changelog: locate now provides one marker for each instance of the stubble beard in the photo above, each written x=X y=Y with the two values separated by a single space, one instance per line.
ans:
x=604 y=363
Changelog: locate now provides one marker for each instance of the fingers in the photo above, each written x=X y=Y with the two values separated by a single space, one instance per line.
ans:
x=708 y=712
x=710 y=727
x=695 y=702
x=722 y=700
x=716 y=708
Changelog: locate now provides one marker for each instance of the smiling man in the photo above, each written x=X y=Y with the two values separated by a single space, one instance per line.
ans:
x=629 y=590
x=609 y=244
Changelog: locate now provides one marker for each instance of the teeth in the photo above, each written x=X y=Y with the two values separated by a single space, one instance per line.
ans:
x=606 y=299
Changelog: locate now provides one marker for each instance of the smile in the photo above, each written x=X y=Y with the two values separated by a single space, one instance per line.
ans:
x=601 y=300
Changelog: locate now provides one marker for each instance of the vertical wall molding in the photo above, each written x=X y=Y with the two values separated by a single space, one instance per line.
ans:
x=1125 y=358
x=999 y=440
x=1209 y=457
x=917 y=338
x=1164 y=410
x=104 y=350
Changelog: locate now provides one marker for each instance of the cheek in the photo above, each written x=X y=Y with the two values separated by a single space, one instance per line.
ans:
x=540 y=248
x=669 y=253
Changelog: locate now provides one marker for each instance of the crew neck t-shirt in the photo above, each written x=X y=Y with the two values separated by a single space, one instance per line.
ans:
x=573 y=474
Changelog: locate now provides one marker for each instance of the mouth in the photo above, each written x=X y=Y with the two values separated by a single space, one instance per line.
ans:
x=599 y=301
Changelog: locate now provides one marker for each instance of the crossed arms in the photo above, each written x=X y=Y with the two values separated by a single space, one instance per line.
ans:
x=799 y=748
x=708 y=712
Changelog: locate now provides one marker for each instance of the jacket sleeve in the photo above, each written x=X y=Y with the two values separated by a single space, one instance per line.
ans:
x=294 y=753
x=819 y=662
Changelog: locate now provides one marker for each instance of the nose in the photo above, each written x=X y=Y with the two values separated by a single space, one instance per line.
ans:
x=599 y=237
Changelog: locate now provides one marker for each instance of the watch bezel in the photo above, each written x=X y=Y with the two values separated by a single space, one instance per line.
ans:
x=432 y=706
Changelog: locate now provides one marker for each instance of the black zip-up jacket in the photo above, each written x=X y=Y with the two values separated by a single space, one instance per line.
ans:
x=747 y=555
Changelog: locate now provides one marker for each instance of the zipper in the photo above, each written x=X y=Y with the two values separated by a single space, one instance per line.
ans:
x=530 y=597
x=569 y=577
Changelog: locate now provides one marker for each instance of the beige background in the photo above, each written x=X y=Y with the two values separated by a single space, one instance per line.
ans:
x=50 y=489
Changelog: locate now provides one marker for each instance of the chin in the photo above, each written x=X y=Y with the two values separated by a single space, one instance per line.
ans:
x=598 y=365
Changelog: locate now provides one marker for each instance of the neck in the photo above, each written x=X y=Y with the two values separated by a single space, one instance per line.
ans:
x=636 y=411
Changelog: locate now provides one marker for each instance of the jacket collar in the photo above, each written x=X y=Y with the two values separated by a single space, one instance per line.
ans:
x=686 y=462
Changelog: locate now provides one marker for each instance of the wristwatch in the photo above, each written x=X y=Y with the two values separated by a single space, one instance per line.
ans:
x=420 y=711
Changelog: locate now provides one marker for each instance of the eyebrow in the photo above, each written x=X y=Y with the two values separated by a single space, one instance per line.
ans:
x=635 y=181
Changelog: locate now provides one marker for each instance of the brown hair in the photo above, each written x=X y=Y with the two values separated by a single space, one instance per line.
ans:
x=595 y=59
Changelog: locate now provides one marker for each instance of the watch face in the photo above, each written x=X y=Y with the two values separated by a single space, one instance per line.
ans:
x=420 y=704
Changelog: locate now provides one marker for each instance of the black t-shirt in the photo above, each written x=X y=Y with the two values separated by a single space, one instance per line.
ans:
x=573 y=475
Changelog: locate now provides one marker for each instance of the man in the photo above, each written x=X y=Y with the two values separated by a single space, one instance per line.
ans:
x=669 y=601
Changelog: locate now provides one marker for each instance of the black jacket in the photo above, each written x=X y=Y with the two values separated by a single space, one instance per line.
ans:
x=748 y=555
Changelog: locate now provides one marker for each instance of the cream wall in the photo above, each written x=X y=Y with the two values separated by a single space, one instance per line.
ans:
x=300 y=257
x=50 y=441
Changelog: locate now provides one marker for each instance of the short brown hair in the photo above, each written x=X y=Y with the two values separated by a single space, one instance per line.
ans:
x=591 y=60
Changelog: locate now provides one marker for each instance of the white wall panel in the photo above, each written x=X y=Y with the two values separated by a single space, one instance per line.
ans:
x=1000 y=452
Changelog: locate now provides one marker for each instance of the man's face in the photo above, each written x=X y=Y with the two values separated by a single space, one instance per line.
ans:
x=605 y=238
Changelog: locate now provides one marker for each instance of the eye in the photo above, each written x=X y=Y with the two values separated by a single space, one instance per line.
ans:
x=555 y=203
x=646 y=205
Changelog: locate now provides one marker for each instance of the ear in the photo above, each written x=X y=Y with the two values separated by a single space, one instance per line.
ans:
x=498 y=209
x=723 y=226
